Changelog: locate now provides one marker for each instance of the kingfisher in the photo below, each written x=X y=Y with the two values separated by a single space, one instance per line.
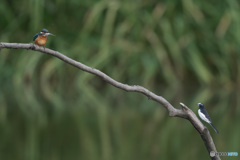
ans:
x=40 y=38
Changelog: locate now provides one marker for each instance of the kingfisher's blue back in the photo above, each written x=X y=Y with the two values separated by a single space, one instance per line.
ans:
x=36 y=35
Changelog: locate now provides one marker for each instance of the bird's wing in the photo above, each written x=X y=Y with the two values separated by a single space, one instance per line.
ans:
x=206 y=114
x=36 y=35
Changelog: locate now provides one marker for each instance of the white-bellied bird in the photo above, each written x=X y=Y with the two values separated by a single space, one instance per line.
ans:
x=203 y=114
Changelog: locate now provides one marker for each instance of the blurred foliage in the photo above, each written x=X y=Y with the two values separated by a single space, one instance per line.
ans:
x=186 y=51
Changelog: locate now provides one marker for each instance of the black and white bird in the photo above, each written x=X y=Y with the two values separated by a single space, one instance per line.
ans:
x=204 y=115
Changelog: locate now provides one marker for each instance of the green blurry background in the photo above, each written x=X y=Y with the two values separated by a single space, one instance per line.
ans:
x=186 y=51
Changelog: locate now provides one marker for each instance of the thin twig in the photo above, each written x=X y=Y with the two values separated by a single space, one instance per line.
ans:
x=185 y=112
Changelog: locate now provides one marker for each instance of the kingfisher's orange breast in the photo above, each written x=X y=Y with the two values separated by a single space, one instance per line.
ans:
x=41 y=40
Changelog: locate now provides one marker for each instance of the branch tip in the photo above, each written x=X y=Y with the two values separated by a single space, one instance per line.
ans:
x=182 y=104
x=184 y=107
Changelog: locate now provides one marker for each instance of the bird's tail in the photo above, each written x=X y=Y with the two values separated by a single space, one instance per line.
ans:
x=214 y=128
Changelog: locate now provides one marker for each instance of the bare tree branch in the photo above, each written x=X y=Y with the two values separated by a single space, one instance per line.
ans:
x=185 y=112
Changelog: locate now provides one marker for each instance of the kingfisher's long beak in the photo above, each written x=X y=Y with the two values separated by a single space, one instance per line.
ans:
x=50 y=34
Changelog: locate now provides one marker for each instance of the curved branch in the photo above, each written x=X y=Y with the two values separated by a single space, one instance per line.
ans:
x=185 y=112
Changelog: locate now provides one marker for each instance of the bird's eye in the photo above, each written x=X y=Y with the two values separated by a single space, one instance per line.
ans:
x=41 y=32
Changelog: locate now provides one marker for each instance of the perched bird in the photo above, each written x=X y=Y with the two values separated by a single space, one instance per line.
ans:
x=204 y=116
x=40 y=38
